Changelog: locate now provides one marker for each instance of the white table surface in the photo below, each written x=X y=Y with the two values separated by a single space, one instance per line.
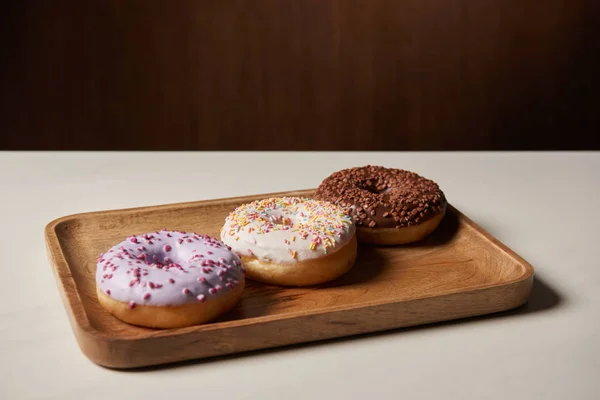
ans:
x=543 y=205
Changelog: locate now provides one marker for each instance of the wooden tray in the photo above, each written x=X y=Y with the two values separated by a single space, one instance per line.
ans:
x=459 y=271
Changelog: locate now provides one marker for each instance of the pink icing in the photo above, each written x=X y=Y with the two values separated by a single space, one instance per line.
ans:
x=168 y=268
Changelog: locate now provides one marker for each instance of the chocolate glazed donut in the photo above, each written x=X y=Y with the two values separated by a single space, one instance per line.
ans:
x=389 y=206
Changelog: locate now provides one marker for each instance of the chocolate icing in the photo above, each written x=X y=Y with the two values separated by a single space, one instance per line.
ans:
x=383 y=197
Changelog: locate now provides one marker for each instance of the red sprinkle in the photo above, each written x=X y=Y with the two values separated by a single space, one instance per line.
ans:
x=133 y=240
x=201 y=298
x=186 y=291
x=209 y=252
x=202 y=279
x=131 y=305
x=212 y=290
x=146 y=296
x=108 y=292
x=167 y=248
x=151 y=284
x=171 y=280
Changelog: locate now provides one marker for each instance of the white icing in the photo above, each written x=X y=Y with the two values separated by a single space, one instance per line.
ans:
x=272 y=229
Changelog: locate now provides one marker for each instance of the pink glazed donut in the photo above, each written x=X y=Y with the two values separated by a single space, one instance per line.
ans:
x=169 y=279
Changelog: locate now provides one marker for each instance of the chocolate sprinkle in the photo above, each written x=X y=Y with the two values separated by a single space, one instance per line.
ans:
x=383 y=197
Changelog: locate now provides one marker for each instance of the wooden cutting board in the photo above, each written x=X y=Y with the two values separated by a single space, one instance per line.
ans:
x=459 y=271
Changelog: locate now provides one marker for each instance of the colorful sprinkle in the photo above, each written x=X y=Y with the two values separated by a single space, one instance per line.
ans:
x=322 y=221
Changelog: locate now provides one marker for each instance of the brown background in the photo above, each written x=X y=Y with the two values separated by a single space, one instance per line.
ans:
x=300 y=74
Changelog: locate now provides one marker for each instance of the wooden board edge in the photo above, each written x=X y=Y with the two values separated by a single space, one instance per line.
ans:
x=529 y=271
x=67 y=287
x=317 y=327
x=67 y=218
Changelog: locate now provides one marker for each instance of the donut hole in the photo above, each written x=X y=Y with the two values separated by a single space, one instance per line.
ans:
x=162 y=257
x=278 y=218
x=371 y=187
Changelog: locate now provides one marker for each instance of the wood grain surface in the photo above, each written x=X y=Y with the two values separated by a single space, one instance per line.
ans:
x=300 y=74
x=459 y=271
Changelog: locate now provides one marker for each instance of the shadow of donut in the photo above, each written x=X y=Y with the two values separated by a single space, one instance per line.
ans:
x=368 y=265
x=443 y=234
x=259 y=299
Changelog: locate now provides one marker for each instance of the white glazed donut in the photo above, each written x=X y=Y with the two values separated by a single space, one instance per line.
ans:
x=169 y=279
x=291 y=241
